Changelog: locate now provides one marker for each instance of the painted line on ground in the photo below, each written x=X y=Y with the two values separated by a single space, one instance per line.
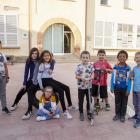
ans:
x=130 y=111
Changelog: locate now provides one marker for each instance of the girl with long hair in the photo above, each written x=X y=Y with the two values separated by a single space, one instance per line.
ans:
x=45 y=79
x=29 y=68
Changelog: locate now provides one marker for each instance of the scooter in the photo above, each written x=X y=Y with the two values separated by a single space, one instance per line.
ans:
x=90 y=113
x=99 y=105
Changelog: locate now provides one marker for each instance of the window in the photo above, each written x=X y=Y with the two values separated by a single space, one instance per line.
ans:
x=105 y=2
x=128 y=4
x=103 y=34
x=138 y=36
x=9 y=30
x=124 y=35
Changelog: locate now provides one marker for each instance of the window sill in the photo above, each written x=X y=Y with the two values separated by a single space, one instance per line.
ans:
x=8 y=47
x=134 y=49
x=128 y=8
x=105 y=5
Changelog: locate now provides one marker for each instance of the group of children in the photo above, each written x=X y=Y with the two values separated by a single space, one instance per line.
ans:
x=121 y=80
x=41 y=69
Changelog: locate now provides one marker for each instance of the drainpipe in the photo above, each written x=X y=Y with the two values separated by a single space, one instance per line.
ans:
x=85 y=25
x=29 y=13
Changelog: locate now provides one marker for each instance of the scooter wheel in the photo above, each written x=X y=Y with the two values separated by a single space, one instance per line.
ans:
x=91 y=122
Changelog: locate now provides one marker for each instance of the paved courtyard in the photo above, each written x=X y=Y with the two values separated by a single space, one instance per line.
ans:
x=104 y=128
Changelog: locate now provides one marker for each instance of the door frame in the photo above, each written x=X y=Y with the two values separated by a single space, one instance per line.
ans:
x=63 y=42
x=70 y=43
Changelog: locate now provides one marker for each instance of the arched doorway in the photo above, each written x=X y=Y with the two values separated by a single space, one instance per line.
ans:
x=75 y=31
x=58 y=39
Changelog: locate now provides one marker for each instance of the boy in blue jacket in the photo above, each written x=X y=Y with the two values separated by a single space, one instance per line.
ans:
x=121 y=85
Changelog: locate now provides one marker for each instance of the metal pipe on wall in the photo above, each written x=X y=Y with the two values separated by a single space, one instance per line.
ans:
x=85 y=25
x=29 y=12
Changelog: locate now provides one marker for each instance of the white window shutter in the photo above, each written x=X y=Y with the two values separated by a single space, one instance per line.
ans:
x=99 y=28
x=138 y=36
x=119 y=35
x=108 y=34
x=2 y=39
x=11 y=30
x=99 y=34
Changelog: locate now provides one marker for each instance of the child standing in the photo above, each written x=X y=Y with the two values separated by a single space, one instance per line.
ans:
x=4 y=78
x=83 y=71
x=101 y=64
x=136 y=90
x=47 y=106
x=121 y=85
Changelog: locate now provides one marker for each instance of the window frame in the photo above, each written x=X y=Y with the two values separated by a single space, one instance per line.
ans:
x=108 y=3
x=128 y=8
x=137 y=36
x=5 y=33
x=104 y=21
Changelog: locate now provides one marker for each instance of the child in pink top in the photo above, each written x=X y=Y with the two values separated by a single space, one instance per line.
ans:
x=101 y=64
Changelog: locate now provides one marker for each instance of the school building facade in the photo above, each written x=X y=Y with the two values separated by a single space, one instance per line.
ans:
x=67 y=27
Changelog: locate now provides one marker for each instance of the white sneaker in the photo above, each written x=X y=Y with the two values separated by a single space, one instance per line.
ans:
x=13 y=107
x=67 y=115
x=56 y=116
x=73 y=107
x=40 y=118
x=28 y=115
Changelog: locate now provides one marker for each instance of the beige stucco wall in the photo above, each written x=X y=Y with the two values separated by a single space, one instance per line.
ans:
x=42 y=11
x=116 y=14
x=22 y=24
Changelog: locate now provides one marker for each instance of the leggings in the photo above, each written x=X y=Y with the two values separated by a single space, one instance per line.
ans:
x=31 y=96
x=59 y=88
x=22 y=92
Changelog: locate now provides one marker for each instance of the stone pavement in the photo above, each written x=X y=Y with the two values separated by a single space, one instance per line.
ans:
x=104 y=128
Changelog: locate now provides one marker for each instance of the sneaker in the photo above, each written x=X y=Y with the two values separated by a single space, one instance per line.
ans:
x=81 y=117
x=73 y=107
x=137 y=124
x=6 y=111
x=28 y=115
x=122 y=119
x=67 y=115
x=116 y=117
x=107 y=107
x=133 y=118
x=94 y=107
x=40 y=118
x=56 y=116
x=13 y=107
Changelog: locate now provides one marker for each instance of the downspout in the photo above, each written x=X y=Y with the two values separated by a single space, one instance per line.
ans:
x=29 y=12
x=85 y=25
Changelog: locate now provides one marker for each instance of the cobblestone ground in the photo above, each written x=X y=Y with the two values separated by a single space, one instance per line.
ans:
x=104 y=128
